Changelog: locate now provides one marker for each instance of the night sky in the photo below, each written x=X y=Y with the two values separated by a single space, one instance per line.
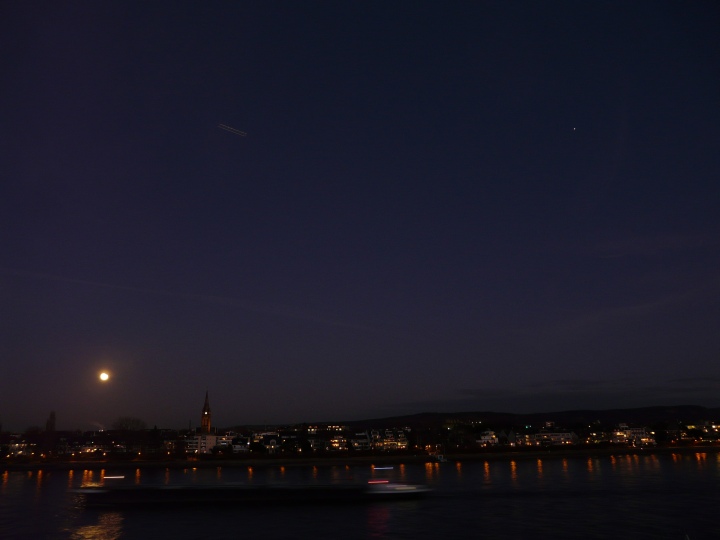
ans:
x=493 y=206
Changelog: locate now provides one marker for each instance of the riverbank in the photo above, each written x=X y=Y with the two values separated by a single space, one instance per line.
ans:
x=350 y=461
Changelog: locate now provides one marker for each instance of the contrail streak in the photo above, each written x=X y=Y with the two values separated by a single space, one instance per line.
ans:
x=232 y=130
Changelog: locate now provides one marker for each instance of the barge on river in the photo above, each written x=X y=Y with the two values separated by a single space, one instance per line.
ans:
x=218 y=494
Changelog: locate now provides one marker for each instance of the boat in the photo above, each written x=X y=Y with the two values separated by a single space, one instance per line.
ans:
x=219 y=494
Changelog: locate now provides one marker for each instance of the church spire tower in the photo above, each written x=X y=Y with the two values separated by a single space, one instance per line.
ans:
x=205 y=420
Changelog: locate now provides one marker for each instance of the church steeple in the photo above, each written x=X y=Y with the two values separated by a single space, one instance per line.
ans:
x=205 y=420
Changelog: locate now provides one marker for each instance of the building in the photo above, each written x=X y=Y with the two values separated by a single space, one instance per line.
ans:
x=488 y=438
x=555 y=438
x=206 y=419
x=361 y=441
x=633 y=436
x=205 y=441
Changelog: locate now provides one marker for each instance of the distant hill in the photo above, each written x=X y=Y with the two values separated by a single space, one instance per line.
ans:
x=642 y=415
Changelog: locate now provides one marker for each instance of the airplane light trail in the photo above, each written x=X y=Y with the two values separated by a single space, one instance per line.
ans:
x=232 y=130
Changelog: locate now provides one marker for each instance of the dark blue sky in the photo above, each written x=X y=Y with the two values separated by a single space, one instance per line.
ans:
x=481 y=206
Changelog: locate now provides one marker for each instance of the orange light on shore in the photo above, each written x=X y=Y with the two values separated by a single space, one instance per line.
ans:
x=104 y=376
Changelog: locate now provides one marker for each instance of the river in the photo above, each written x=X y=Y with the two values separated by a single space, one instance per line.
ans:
x=670 y=496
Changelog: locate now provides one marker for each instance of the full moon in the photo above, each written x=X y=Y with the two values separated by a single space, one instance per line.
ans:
x=104 y=376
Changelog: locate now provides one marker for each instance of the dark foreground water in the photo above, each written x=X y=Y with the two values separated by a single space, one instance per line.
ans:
x=658 y=496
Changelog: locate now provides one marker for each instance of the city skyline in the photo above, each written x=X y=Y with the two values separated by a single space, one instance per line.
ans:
x=410 y=207
x=204 y=424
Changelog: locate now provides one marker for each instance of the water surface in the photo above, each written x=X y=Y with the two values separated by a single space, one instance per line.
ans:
x=658 y=496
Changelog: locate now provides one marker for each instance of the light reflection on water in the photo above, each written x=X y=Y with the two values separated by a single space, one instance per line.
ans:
x=337 y=474
x=38 y=484
x=378 y=518
x=88 y=478
x=431 y=471
x=661 y=496
x=108 y=526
